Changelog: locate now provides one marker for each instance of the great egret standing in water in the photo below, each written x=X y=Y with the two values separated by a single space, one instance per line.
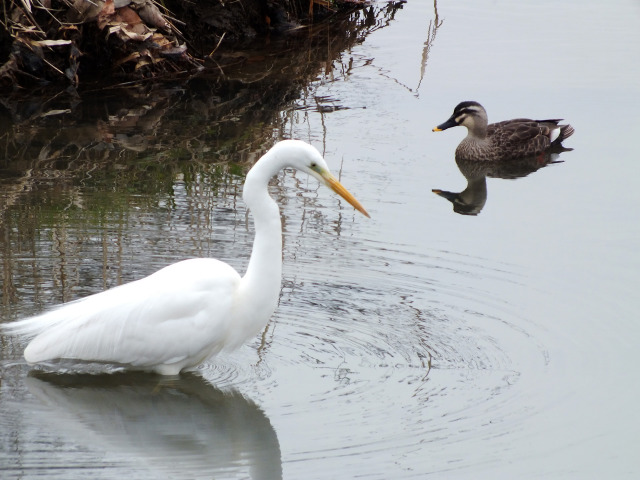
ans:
x=187 y=312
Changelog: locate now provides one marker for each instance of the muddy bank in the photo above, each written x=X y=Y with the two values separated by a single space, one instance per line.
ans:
x=75 y=42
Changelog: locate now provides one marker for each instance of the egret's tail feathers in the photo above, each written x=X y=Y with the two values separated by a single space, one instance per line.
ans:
x=33 y=326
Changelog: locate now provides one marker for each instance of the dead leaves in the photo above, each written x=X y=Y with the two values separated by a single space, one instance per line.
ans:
x=136 y=33
x=137 y=21
x=104 y=16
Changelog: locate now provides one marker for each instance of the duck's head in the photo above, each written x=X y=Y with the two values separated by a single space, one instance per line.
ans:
x=468 y=114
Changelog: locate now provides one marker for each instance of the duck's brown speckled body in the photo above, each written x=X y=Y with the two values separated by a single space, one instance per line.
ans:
x=505 y=140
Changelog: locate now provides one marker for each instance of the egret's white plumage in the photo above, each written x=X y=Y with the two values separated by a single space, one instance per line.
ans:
x=187 y=312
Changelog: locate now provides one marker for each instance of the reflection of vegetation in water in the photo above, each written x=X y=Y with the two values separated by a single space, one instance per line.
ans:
x=60 y=240
x=109 y=182
x=236 y=103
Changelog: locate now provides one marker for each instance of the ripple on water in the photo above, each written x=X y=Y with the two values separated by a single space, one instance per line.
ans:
x=380 y=348
x=238 y=369
x=386 y=311
x=385 y=351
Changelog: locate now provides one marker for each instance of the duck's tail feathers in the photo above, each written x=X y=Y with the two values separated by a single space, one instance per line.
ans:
x=559 y=133
x=565 y=132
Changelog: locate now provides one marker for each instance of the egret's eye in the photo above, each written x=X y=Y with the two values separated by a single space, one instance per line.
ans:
x=314 y=165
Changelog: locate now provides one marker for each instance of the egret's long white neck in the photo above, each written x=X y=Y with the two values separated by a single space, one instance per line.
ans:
x=262 y=280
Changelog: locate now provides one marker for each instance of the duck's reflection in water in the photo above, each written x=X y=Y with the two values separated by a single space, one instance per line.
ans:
x=472 y=199
x=181 y=427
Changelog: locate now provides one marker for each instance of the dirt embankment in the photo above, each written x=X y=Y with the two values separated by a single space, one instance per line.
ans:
x=69 y=42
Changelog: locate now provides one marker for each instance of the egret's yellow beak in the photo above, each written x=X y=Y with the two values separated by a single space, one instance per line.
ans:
x=337 y=187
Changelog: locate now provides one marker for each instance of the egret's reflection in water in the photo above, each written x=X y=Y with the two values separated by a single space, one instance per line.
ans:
x=472 y=199
x=181 y=427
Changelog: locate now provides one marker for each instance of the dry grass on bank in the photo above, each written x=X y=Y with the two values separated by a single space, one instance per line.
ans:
x=65 y=41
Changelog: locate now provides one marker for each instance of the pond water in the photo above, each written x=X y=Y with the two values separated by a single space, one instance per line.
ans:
x=418 y=343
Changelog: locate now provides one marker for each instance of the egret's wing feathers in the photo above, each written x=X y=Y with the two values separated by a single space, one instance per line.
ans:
x=171 y=315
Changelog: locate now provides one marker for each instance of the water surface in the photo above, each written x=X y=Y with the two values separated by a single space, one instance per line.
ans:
x=418 y=343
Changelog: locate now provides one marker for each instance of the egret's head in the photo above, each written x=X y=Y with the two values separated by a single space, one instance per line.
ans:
x=308 y=159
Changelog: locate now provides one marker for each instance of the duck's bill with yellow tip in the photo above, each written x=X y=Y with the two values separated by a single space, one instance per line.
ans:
x=333 y=183
x=448 y=124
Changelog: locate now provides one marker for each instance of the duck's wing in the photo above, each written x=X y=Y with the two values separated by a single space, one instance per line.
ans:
x=522 y=136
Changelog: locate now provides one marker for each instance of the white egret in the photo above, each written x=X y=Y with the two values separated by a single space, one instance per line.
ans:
x=187 y=312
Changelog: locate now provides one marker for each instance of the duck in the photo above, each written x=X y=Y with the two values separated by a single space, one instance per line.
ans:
x=506 y=140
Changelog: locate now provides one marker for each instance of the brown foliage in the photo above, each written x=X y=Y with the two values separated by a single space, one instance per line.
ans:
x=62 y=42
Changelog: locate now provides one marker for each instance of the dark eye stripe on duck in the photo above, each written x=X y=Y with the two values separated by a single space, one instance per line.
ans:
x=469 y=111
x=460 y=115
